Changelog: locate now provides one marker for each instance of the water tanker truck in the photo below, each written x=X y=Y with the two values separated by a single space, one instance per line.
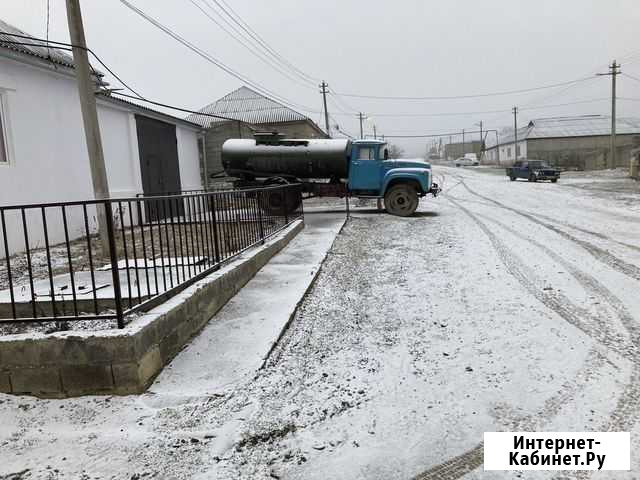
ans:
x=329 y=168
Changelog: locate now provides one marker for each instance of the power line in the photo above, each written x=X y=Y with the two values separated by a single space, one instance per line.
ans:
x=631 y=77
x=449 y=134
x=252 y=50
x=452 y=114
x=69 y=47
x=179 y=109
x=211 y=59
x=235 y=17
x=454 y=97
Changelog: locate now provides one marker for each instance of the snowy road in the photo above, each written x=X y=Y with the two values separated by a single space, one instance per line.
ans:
x=500 y=306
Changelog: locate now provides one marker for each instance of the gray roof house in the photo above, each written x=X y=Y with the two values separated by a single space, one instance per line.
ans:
x=245 y=112
x=580 y=142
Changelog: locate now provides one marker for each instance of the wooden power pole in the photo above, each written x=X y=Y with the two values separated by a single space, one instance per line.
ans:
x=324 y=86
x=614 y=71
x=86 y=90
x=515 y=132
x=361 y=117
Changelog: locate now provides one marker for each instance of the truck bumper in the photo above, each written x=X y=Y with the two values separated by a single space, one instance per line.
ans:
x=435 y=189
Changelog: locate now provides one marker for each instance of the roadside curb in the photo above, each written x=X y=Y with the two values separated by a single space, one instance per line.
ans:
x=289 y=321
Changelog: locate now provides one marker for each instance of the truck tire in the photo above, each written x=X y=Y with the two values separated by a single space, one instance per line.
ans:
x=512 y=178
x=554 y=180
x=401 y=200
x=276 y=202
x=532 y=178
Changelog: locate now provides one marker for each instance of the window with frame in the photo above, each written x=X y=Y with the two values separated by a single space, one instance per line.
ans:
x=4 y=151
x=366 y=153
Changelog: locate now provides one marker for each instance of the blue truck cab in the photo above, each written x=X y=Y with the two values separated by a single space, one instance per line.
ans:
x=372 y=174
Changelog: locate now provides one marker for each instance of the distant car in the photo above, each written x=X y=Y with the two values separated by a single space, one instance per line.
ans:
x=466 y=162
x=532 y=170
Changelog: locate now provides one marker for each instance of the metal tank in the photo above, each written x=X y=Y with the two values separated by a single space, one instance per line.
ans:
x=271 y=156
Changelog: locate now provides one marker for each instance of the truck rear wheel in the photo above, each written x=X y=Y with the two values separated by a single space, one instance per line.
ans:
x=401 y=200
x=279 y=201
x=512 y=178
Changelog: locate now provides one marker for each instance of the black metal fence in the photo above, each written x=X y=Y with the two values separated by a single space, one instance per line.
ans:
x=55 y=267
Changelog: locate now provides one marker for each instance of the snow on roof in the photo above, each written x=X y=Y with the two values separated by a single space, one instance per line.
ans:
x=9 y=33
x=581 y=126
x=249 y=106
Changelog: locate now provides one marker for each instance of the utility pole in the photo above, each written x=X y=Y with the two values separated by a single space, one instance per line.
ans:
x=463 y=146
x=481 y=141
x=515 y=132
x=375 y=136
x=89 y=110
x=324 y=90
x=614 y=71
x=361 y=116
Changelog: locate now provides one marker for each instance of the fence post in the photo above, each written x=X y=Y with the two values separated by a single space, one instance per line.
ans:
x=258 y=192
x=114 y=264
x=285 y=193
x=214 y=214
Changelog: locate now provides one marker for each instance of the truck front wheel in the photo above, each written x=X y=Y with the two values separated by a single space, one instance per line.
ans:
x=401 y=200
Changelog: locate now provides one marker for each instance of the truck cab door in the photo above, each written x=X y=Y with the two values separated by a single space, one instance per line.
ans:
x=365 y=170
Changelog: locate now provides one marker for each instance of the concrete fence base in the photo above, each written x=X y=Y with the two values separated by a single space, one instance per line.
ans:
x=65 y=364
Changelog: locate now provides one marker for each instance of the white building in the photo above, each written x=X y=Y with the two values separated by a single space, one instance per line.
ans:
x=581 y=142
x=43 y=154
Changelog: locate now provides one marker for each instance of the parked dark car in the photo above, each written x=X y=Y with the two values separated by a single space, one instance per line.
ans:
x=533 y=170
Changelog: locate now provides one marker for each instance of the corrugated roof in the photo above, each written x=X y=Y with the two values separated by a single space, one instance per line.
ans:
x=143 y=109
x=39 y=50
x=249 y=106
x=581 y=126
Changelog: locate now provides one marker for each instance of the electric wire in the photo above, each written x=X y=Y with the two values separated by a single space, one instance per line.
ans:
x=211 y=59
x=251 y=32
x=454 y=97
x=249 y=48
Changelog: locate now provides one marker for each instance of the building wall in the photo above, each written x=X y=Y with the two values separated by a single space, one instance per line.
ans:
x=506 y=154
x=584 y=153
x=217 y=134
x=456 y=150
x=48 y=156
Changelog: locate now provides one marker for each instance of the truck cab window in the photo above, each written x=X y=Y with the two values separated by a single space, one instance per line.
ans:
x=384 y=153
x=366 y=153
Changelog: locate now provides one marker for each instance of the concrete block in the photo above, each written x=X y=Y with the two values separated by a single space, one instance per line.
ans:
x=149 y=366
x=170 y=346
x=37 y=381
x=80 y=379
x=5 y=383
x=126 y=377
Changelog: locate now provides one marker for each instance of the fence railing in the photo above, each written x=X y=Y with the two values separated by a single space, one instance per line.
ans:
x=54 y=267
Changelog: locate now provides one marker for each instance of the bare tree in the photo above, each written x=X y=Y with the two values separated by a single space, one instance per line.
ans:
x=395 y=151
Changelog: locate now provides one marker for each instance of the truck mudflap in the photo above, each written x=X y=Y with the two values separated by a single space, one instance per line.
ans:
x=435 y=189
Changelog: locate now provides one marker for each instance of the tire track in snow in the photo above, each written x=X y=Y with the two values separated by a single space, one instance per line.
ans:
x=594 y=327
x=598 y=253
x=465 y=463
x=625 y=414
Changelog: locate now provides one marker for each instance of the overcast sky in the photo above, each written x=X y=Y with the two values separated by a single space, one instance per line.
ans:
x=383 y=48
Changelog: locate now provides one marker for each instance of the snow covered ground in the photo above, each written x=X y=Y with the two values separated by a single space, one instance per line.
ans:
x=499 y=306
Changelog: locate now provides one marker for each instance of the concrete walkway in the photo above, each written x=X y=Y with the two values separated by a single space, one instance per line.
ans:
x=237 y=338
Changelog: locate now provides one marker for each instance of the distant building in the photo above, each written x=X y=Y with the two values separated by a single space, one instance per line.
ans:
x=457 y=150
x=581 y=142
x=249 y=112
